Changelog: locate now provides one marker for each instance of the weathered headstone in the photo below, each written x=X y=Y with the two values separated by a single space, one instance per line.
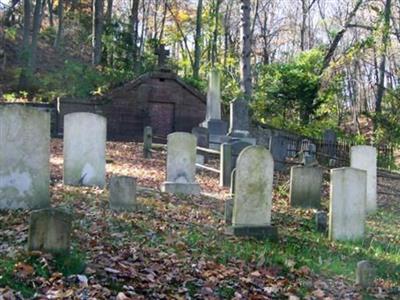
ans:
x=84 y=149
x=253 y=194
x=278 y=146
x=123 y=193
x=347 y=204
x=50 y=230
x=239 y=118
x=181 y=164
x=202 y=136
x=365 y=274
x=308 y=153
x=321 y=221
x=330 y=140
x=365 y=158
x=305 y=186
x=225 y=164
x=24 y=157
x=203 y=141
x=147 y=141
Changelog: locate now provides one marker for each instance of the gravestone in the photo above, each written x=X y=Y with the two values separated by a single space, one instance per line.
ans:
x=228 y=211
x=147 y=141
x=24 y=157
x=321 y=221
x=239 y=118
x=123 y=193
x=50 y=230
x=84 y=149
x=253 y=194
x=305 y=186
x=347 y=204
x=225 y=164
x=202 y=136
x=181 y=164
x=330 y=140
x=278 y=146
x=365 y=274
x=233 y=180
x=237 y=147
x=162 y=54
x=308 y=153
x=203 y=141
x=365 y=158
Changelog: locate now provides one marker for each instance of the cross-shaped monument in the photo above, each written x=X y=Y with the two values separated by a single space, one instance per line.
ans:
x=162 y=54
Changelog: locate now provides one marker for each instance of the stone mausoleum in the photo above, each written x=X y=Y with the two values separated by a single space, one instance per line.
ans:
x=158 y=99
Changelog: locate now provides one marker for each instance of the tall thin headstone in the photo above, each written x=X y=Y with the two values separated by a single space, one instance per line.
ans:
x=347 y=204
x=24 y=157
x=365 y=158
x=253 y=194
x=85 y=149
x=181 y=164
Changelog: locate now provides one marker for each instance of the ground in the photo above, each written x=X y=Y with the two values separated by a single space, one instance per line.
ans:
x=176 y=247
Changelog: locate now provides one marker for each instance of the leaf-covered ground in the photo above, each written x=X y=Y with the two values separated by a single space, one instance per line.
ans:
x=177 y=248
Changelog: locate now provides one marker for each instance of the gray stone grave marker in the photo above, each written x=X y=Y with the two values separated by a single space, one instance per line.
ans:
x=50 y=230
x=305 y=186
x=123 y=193
x=181 y=164
x=147 y=141
x=347 y=204
x=239 y=118
x=84 y=149
x=365 y=274
x=24 y=157
x=253 y=194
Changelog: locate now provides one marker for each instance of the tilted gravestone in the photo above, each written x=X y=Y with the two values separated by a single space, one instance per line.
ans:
x=253 y=194
x=181 y=164
x=347 y=204
x=85 y=149
x=123 y=193
x=365 y=158
x=305 y=186
x=50 y=230
x=24 y=157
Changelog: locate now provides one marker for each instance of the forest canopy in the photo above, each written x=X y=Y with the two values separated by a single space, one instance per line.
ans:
x=305 y=64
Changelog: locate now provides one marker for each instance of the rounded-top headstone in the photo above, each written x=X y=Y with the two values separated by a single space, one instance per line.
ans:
x=365 y=158
x=253 y=187
x=85 y=149
x=181 y=157
x=24 y=157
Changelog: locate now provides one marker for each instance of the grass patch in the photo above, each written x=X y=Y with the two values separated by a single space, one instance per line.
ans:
x=70 y=264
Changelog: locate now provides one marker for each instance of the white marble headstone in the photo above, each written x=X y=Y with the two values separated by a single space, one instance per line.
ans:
x=365 y=158
x=85 y=149
x=24 y=157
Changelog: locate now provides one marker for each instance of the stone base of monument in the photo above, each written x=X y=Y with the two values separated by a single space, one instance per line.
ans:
x=259 y=232
x=181 y=188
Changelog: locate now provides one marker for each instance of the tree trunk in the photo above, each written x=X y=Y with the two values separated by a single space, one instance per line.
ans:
x=245 y=68
x=25 y=51
x=50 y=7
x=37 y=20
x=214 y=51
x=197 y=39
x=382 y=65
x=109 y=11
x=60 y=12
x=134 y=33
x=97 y=31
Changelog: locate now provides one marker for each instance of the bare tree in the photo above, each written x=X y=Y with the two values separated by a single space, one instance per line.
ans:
x=245 y=66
